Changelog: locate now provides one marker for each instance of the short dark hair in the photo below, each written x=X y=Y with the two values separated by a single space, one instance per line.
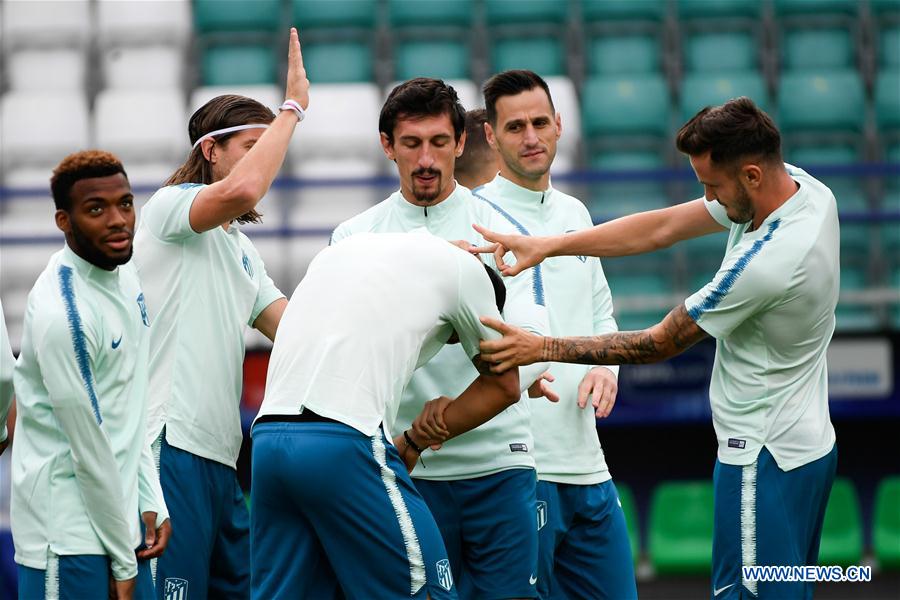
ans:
x=81 y=165
x=735 y=130
x=499 y=287
x=510 y=83
x=477 y=150
x=421 y=97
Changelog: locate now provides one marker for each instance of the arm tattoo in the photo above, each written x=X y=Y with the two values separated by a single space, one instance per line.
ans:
x=676 y=333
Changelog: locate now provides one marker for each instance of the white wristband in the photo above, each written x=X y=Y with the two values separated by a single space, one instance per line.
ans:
x=294 y=106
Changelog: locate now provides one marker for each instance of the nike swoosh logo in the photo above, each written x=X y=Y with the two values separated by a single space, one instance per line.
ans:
x=721 y=589
x=115 y=343
x=532 y=580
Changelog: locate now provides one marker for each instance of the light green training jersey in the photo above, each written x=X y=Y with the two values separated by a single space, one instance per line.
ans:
x=505 y=441
x=771 y=309
x=566 y=446
x=7 y=363
x=202 y=289
x=82 y=469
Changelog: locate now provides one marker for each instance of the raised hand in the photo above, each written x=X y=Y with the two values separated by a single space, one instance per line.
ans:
x=297 y=87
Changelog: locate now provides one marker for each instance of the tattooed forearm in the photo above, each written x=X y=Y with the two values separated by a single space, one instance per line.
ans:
x=677 y=332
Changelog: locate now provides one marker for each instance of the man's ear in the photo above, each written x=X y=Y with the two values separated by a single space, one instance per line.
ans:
x=461 y=145
x=752 y=175
x=63 y=222
x=387 y=146
x=207 y=147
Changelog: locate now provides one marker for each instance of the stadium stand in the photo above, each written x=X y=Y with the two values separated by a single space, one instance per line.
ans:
x=680 y=527
x=842 y=533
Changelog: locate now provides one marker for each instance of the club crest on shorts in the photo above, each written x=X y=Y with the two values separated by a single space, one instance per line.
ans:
x=444 y=575
x=541 y=514
x=176 y=588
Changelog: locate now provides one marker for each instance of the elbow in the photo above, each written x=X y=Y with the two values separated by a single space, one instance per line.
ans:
x=509 y=386
x=244 y=194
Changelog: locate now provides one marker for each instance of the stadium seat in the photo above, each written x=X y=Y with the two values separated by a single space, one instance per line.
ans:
x=837 y=95
x=543 y=55
x=338 y=62
x=211 y=16
x=632 y=519
x=728 y=51
x=886 y=523
x=142 y=126
x=849 y=191
x=35 y=139
x=634 y=320
x=842 y=536
x=626 y=285
x=889 y=47
x=625 y=105
x=149 y=22
x=887 y=99
x=443 y=59
x=851 y=317
x=853 y=278
x=36 y=24
x=47 y=70
x=315 y=14
x=610 y=10
x=706 y=249
x=681 y=524
x=890 y=239
x=239 y=65
x=817 y=49
x=699 y=90
x=885 y=8
x=625 y=54
x=269 y=95
x=502 y=12
x=815 y=7
x=143 y=67
x=618 y=198
x=415 y=13
x=565 y=101
x=694 y=9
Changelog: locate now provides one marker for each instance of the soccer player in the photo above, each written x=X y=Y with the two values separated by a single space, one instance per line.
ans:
x=584 y=546
x=83 y=476
x=480 y=487
x=770 y=308
x=478 y=163
x=333 y=503
x=7 y=363
x=204 y=281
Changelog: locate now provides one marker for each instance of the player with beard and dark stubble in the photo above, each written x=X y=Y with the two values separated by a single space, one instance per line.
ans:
x=83 y=473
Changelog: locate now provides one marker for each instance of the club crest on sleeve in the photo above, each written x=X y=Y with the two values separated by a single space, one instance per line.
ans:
x=143 y=306
x=176 y=588
x=444 y=575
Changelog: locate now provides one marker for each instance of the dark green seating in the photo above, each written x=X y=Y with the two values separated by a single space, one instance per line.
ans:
x=315 y=14
x=501 y=12
x=711 y=89
x=444 y=59
x=618 y=198
x=338 y=62
x=849 y=191
x=681 y=527
x=610 y=55
x=416 y=13
x=635 y=320
x=693 y=9
x=818 y=49
x=543 y=55
x=729 y=51
x=237 y=15
x=889 y=46
x=887 y=98
x=239 y=65
x=632 y=520
x=816 y=7
x=886 y=521
x=637 y=104
x=613 y=10
x=822 y=101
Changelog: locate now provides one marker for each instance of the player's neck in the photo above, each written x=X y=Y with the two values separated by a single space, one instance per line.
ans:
x=772 y=197
x=538 y=184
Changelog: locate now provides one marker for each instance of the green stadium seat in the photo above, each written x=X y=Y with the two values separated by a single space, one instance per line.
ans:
x=734 y=51
x=711 y=89
x=836 y=96
x=853 y=278
x=681 y=527
x=849 y=191
x=612 y=55
x=618 y=198
x=892 y=187
x=817 y=49
x=316 y=14
x=890 y=239
x=886 y=523
x=502 y=12
x=889 y=47
x=416 y=13
x=625 y=105
x=706 y=248
x=816 y=7
x=615 y=10
x=623 y=284
x=237 y=15
x=629 y=320
x=850 y=318
x=632 y=519
x=887 y=98
x=444 y=59
x=693 y=9
x=543 y=55
x=855 y=240
x=842 y=535
x=338 y=62
x=885 y=8
x=239 y=65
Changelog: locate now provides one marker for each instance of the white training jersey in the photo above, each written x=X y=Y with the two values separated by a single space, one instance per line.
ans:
x=771 y=309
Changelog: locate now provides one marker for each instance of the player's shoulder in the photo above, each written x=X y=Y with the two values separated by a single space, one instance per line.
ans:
x=364 y=222
x=570 y=205
x=171 y=193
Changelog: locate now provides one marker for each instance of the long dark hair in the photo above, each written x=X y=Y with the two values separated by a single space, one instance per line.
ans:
x=221 y=112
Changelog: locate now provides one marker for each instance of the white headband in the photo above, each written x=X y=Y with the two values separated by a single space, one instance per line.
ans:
x=229 y=130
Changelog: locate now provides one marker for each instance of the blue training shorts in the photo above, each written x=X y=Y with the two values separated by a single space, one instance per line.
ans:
x=76 y=577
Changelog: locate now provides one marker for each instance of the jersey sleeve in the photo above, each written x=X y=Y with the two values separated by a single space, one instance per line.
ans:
x=268 y=292
x=475 y=300
x=66 y=349
x=167 y=213
x=521 y=311
x=717 y=212
x=150 y=494
x=341 y=232
x=7 y=364
x=741 y=288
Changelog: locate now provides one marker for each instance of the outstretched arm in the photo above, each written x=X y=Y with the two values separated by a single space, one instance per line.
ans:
x=632 y=234
x=672 y=336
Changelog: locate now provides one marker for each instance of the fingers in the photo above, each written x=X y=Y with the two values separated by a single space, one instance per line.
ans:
x=549 y=394
x=488 y=234
x=489 y=249
x=584 y=389
x=607 y=402
x=548 y=376
x=496 y=324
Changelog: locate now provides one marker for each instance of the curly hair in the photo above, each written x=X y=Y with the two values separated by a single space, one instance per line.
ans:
x=81 y=165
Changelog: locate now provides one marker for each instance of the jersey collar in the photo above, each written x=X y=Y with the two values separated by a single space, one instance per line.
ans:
x=88 y=270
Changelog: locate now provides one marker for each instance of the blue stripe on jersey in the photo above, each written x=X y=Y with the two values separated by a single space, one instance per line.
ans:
x=537 y=278
x=728 y=280
x=81 y=353
x=187 y=186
